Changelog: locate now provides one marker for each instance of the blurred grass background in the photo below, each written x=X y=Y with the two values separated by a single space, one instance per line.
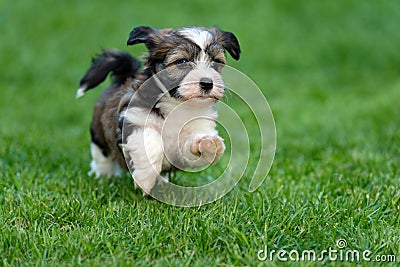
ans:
x=330 y=71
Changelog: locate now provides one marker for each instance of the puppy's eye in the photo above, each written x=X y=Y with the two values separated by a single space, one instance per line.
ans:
x=217 y=64
x=218 y=61
x=181 y=61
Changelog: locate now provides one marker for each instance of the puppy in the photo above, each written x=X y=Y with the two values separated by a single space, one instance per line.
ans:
x=162 y=117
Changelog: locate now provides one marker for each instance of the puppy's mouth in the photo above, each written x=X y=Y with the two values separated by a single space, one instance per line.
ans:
x=195 y=91
x=203 y=99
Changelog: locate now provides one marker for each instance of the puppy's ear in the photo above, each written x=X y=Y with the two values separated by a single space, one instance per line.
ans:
x=229 y=42
x=139 y=35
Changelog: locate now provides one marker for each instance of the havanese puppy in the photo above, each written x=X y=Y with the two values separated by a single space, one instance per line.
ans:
x=162 y=117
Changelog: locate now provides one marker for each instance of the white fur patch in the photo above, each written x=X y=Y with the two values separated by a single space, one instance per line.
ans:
x=198 y=36
x=80 y=92
x=162 y=142
x=101 y=165
x=186 y=123
x=144 y=147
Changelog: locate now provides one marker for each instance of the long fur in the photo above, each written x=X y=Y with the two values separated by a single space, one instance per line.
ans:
x=121 y=66
x=168 y=122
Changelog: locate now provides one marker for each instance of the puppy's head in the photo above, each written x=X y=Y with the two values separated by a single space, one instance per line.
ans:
x=192 y=58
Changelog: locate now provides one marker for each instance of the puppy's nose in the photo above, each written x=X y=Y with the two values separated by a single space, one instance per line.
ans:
x=206 y=84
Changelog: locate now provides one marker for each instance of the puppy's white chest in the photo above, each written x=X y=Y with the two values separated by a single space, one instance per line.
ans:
x=183 y=122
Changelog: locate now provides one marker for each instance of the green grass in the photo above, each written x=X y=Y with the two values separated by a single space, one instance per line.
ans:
x=330 y=71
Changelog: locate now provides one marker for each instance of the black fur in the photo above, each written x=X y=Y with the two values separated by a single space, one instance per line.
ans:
x=99 y=141
x=230 y=43
x=121 y=65
x=139 y=35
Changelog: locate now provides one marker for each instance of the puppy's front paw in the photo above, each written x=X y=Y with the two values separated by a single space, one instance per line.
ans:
x=209 y=147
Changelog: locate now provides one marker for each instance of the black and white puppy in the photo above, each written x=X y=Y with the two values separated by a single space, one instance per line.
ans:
x=161 y=117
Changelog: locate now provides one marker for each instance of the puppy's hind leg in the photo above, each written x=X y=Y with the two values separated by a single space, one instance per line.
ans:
x=145 y=150
x=101 y=164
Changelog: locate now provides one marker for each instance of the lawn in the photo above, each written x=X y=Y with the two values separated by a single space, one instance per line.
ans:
x=331 y=74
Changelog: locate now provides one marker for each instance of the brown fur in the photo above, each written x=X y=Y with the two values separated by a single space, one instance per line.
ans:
x=106 y=128
x=105 y=118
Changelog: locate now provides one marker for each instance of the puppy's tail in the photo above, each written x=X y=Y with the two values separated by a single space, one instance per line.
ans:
x=121 y=65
